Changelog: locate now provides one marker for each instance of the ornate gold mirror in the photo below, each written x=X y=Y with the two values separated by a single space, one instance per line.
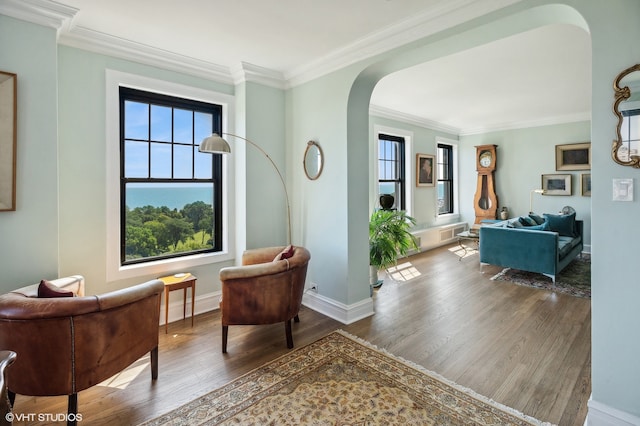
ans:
x=313 y=160
x=626 y=106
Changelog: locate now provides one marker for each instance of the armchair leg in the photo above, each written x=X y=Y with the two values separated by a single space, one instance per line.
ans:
x=73 y=409
x=296 y=318
x=154 y=363
x=287 y=329
x=225 y=334
x=12 y=397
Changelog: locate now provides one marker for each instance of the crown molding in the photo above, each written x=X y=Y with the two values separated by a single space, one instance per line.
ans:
x=245 y=71
x=450 y=14
x=415 y=120
x=383 y=112
x=84 y=38
x=42 y=12
x=549 y=121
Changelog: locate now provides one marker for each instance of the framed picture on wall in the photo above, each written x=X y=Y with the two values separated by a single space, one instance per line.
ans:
x=556 y=184
x=585 y=184
x=8 y=97
x=574 y=156
x=425 y=170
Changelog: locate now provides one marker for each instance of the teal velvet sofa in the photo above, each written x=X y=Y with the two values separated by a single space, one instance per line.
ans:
x=544 y=245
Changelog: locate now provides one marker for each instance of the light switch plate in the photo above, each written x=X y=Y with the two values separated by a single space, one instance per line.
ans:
x=623 y=190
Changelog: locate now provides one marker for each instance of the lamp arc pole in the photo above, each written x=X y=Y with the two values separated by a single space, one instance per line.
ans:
x=215 y=144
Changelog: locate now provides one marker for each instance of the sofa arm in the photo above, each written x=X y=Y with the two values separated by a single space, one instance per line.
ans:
x=250 y=271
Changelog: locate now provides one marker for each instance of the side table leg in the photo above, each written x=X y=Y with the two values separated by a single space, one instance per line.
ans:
x=193 y=301
x=166 y=310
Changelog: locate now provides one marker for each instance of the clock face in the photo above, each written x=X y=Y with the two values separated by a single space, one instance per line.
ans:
x=485 y=159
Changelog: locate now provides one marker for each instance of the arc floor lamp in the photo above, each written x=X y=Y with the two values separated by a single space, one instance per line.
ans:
x=216 y=144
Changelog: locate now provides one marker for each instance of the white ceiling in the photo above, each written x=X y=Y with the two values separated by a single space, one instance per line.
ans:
x=541 y=76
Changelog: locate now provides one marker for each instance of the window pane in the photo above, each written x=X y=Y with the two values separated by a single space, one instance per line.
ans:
x=203 y=123
x=136 y=159
x=160 y=123
x=167 y=219
x=182 y=126
x=203 y=165
x=136 y=125
x=160 y=160
x=182 y=161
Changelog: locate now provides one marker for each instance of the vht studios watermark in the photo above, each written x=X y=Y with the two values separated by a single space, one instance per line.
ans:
x=43 y=417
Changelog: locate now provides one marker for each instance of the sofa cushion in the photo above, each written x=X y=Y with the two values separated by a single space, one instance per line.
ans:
x=563 y=224
x=46 y=289
x=544 y=226
x=515 y=224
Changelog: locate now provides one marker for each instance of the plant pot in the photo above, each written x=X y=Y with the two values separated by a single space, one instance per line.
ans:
x=373 y=277
x=386 y=201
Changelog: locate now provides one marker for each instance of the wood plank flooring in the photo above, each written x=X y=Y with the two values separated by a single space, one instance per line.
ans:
x=528 y=349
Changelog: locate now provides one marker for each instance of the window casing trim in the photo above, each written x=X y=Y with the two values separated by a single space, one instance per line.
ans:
x=115 y=271
x=409 y=167
x=447 y=217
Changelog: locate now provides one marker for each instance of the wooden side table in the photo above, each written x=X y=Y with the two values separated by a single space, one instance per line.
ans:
x=177 y=282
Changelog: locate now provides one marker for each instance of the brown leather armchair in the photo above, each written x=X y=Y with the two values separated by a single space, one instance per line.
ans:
x=68 y=344
x=263 y=290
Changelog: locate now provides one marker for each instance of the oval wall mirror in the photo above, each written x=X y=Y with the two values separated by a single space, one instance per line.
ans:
x=313 y=160
x=626 y=105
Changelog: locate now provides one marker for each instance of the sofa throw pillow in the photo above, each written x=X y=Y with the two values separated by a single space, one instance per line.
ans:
x=527 y=221
x=563 y=224
x=538 y=220
x=46 y=290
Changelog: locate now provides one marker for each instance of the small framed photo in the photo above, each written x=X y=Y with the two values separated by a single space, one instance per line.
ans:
x=585 y=184
x=574 y=156
x=425 y=170
x=556 y=184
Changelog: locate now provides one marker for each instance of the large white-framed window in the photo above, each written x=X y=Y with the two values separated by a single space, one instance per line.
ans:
x=166 y=167
x=446 y=177
x=393 y=166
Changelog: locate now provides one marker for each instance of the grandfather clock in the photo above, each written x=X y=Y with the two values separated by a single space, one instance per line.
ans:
x=485 y=201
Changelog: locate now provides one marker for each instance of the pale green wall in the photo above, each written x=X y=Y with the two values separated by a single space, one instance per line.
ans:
x=330 y=214
x=614 y=30
x=30 y=234
x=523 y=156
x=423 y=205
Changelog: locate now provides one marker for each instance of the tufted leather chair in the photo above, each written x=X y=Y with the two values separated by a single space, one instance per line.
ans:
x=263 y=290
x=68 y=344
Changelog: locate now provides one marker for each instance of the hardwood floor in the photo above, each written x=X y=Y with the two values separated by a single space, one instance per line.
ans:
x=528 y=349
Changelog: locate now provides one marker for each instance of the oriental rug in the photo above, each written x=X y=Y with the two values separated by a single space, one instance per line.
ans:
x=342 y=380
x=575 y=279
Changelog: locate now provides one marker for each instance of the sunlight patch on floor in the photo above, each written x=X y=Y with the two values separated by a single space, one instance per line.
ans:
x=125 y=377
x=403 y=272
x=462 y=253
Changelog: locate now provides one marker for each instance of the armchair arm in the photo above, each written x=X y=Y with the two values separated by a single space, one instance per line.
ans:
x=129 y=295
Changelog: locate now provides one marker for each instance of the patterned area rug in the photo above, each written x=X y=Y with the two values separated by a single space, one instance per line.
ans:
x=575 y=279
x=342 y=380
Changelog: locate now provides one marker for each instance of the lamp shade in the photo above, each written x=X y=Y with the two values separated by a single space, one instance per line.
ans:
x=214 y=144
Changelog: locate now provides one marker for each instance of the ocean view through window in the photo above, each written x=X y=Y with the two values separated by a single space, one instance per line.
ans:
x=171 y=196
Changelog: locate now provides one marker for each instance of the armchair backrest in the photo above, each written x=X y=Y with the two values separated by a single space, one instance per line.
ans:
x=67 y=344
x=264 y=291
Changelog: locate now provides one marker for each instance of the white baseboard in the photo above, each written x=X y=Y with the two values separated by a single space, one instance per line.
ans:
x=602 y=415
x=204 y=303
x=346 y=314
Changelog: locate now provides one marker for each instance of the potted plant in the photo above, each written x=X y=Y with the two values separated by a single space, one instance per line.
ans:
x=389 y=239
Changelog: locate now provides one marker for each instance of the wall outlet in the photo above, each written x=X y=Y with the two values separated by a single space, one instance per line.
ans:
x=314 y=287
